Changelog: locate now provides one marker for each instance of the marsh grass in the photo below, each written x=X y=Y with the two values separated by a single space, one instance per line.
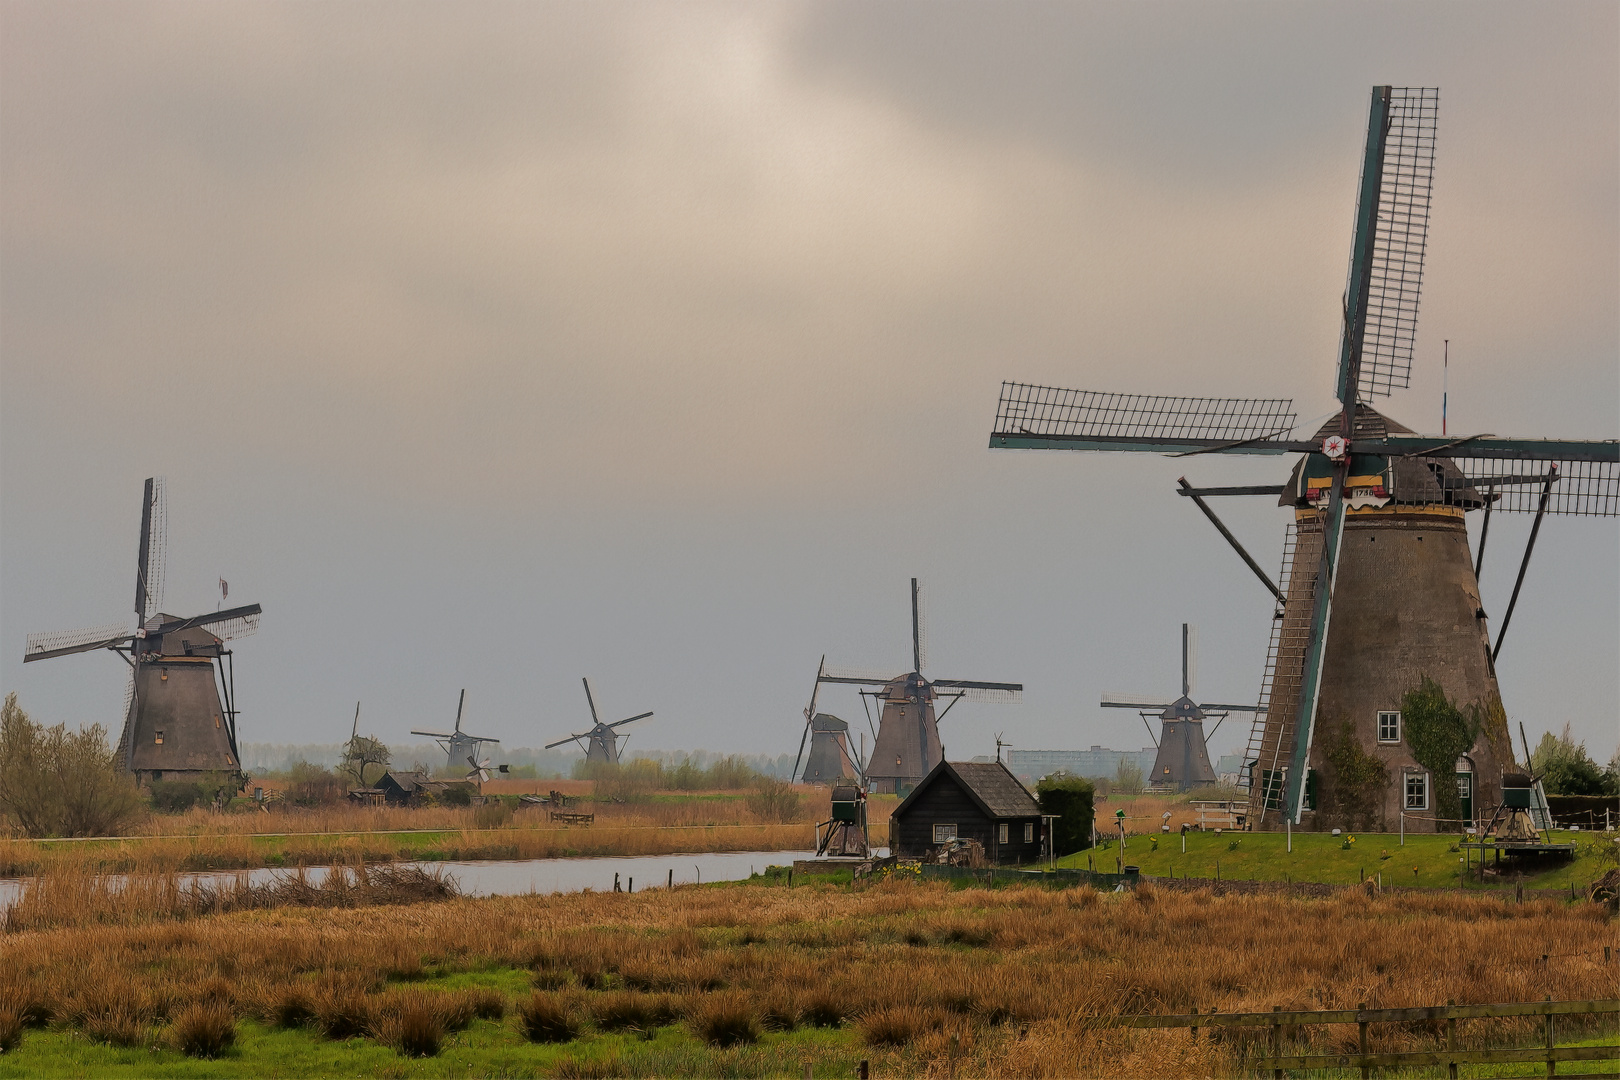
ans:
x=204 y=1029
x=1012 y=981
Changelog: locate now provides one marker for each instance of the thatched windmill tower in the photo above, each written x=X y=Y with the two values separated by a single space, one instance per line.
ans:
x=907 y=746
x=181 y=719
x=1379 y=588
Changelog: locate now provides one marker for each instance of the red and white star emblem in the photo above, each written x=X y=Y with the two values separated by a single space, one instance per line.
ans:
x=1335 y=446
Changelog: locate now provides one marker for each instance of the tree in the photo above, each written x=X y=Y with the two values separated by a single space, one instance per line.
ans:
x=1072 y=800
x=1127 y=777
x=361 y=752
x=59 y=783
x=1565 y=768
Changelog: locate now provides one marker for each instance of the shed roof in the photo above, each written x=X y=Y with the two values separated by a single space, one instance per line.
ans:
x=996 y=790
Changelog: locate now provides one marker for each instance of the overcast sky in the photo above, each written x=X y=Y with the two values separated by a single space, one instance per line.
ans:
x=492 y=345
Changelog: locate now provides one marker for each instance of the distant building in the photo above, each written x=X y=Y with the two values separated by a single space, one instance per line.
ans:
x=1229 y=768
x=401 y=788
x=969 y=800
x=1097 y=763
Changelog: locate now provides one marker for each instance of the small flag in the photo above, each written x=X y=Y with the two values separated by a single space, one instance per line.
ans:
x=224 y=589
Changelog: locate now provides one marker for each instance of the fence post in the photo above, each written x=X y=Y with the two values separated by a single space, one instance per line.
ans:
x=1195 y=1025
x=1276 y=1044
x=1451 y=1040
x=1362 y=1024
x=1551 y=1064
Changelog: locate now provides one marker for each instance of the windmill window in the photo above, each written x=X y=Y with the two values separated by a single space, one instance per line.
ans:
x=1029 y=832
x=1389 y=727
x=944 y=834
x=1417 y=791
x=160 y=738
x=1001 y=833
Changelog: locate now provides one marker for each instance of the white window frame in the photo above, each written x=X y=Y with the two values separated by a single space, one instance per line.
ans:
x=1396 y=724
x=1029 y=832
x=944 y=834
x=1421 y=781
x=1002 y=832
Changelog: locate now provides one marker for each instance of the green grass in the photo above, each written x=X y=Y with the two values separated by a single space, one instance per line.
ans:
x=1263 y=856
x=487 y=1048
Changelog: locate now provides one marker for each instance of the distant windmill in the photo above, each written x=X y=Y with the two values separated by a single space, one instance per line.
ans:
x=1379 y=587
x=601 y=742
x=480 y=770
x=455 y=742
x=908 y=746
x=180 y=718
x=830 y=759
x=1183 y=759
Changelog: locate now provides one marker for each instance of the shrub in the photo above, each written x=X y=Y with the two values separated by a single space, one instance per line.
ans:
x=627 y=1010
x=487 y=1004
x=115 y=1026
x=823 y=1009
x=1072 y=799
x=11 y=1028
x=175 y=796
x=56 y=783
x=546 y=1018
x=774 y=800
x=204 y=1030
x=456 y=796
x=292 y=1008
x=1566 y=768
x=779 y=1012
x=342 y=1012
x=313 y=785
x=724 y=1020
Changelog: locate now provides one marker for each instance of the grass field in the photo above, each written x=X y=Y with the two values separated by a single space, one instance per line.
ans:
x=1425 y=860
x=916 y=977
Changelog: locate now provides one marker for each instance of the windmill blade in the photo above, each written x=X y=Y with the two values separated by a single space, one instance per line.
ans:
x=355 y=733
x=433 y=734
x=62 y=642
x=1215 y=707
x=628 y=719
x=591 y=701
x=854 y=677
x=460 y=703
x=989 y=695
x=232 y=622
x=563 y=742
x=479 y=738
x=800 y=756
x=919 y=629
x=972 y=684
x=1126 y=701
x=1047 y=417
x=1189 y=658
x=815 y=689
x=1586 y=488
x=1400 y=236
x=153 y=549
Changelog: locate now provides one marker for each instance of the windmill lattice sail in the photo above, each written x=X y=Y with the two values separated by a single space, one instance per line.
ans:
x=1088 y=414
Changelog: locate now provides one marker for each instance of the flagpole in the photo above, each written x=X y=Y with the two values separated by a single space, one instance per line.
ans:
x=1445 y=385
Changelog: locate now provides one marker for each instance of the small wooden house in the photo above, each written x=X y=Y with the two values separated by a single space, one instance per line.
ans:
x=968 y=800
x=401 y=788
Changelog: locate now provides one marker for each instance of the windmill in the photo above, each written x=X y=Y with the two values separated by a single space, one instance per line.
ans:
x=1379 y=585
x=907 y=745
x=455 y=743
x=1183 y=758
x=830 y=760
x=480 y=770
x=180 y=714
x=602 y=740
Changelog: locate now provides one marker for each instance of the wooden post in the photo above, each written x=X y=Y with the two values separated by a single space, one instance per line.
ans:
x=1552 y=1065
x=1276 y=1044
x=1362 y=1024
x=865 y=1071
x=672 y=879
x=1195 y=1025
x=1451 y=1041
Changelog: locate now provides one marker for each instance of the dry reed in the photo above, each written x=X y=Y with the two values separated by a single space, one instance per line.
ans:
x=1016 y=981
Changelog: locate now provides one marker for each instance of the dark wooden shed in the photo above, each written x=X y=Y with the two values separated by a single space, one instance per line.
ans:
x=970 y=800
x=404 y=788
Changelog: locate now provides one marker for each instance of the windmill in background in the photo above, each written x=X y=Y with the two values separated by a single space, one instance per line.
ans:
x=830 y=759
x=1379 y=587
x=455 y=743
x=907 y=743
x=601 y=742
x=1183 y=758
x=180 y=712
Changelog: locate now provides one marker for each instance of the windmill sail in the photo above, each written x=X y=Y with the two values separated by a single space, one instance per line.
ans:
x=51 y=643
x=1401 y=231
x=1042 y=417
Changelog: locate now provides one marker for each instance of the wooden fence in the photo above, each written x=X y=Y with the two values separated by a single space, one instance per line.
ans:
x=1451 y=1057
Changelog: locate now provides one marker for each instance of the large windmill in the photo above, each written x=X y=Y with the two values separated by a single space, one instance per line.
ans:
x=456 y=744
x=907 y=743
x=830 y=758
x=601 y=742
x=1379 y=586
x=1183 y=758
x=180 y=717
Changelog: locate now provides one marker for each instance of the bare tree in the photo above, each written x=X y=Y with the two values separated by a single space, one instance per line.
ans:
x=361 y=752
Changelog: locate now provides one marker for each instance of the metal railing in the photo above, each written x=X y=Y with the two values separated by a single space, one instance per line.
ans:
x=1279 y=1022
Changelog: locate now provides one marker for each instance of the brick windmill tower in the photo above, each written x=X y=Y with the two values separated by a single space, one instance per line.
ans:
x=907 y=745
x=1379 y=588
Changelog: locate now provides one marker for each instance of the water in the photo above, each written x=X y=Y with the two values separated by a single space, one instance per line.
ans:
x=518 y=876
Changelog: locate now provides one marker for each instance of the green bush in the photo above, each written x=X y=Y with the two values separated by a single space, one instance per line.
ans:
x=1565 y=768
x=1072 y=799
x=59 y=783
x=175 y=796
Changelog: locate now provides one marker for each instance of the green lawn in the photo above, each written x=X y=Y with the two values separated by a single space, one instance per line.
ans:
x=1425 y=859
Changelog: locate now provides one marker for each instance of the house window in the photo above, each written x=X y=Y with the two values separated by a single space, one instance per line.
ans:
x=944 y=834
x=1389 y=727
x=1417 y=791
x=1029 y=832
x=1001 y=833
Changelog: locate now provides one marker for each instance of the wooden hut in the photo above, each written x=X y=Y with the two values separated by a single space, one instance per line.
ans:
x=966 y=800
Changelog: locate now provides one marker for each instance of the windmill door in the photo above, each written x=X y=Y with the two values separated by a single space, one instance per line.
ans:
x=1465 y=795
